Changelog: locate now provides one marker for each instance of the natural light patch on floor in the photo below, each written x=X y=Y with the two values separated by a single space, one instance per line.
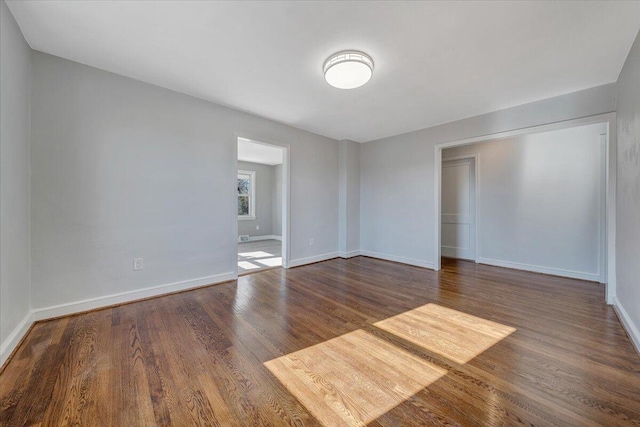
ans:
x=259 y=255
x=357 y=377
x=450 y=333
x=271 y=262
x=256 y=254
x=353 y=379
x=247 y=265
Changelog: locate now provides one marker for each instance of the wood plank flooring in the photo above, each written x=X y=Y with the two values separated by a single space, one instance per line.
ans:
x=342 y=342
x=259 y=255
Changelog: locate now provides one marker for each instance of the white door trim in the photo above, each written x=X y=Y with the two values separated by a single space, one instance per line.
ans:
x=476 y=160
x=611 y=170
x=286 y=194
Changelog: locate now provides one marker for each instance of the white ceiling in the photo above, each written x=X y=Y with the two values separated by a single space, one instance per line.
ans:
x=255 y=152
x=435 y=62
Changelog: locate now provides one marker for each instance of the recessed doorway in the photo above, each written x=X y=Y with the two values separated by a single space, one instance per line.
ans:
x=543 y=199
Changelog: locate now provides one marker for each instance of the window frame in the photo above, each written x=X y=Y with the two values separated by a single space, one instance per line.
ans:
x=252 y=195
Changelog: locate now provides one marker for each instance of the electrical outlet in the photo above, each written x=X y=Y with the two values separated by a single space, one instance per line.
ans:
x=311 y=242
x=138 y=264
x=257 y=227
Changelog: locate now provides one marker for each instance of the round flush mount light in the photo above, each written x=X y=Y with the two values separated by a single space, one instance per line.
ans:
x=348 y=69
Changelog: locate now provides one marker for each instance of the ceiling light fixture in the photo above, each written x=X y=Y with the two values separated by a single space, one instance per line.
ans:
x=348 y=69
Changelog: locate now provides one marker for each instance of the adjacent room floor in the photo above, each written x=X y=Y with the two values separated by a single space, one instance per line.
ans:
x=342 y=342
x=259 y=255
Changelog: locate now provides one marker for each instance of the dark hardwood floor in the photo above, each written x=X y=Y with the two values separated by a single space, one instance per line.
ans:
x=343 y=342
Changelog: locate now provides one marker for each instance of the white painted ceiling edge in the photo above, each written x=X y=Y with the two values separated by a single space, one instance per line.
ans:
x=435 y=62
x=255 y=152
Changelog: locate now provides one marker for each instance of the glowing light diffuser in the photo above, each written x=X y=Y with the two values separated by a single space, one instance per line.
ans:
x=348 y=69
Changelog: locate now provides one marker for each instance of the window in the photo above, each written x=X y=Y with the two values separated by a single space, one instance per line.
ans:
x=246 y=194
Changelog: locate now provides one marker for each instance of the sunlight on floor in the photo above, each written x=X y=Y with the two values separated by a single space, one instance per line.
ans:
x=450 y=333
x=354 y=378
x=247 y=265
x=271 y=262
x=256 y=254
x=357 y=377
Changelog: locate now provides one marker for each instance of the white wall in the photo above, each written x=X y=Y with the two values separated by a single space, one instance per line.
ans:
x=541 y=200
x=349 y=204
x=628 y=197
x=124 y=169
x=15 y=78
x=397 y=209
x=264 y=187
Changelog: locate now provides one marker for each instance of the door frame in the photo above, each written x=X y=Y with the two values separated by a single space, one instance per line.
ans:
x=476 y=161
x=286 y=195
x=609 y=252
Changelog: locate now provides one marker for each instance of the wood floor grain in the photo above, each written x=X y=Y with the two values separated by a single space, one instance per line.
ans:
x=342 y=342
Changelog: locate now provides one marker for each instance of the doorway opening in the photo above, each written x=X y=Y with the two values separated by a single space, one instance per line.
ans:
x=539 y=199
x=261 y=200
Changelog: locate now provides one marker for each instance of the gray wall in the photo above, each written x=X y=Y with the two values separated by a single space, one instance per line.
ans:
x=276 y=203
x=15 y=78
x=628 y=181
x=124 y=169
x=541 y=200
x=397 y=190
x=349 y=204
x=264 y=186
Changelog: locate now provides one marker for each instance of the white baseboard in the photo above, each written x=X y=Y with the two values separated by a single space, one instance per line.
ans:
x=350 y=254
x=627 y=323
x=122 y=297
x=257 y=238
x=15 y=337
x=66 y=309
x=539 y=269
x=312 y=259
x=409 y=261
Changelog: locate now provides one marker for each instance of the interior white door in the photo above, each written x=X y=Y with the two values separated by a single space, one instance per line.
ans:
x=458 y=228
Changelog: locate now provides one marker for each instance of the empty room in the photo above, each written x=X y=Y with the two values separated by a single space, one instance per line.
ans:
x=319 y=213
